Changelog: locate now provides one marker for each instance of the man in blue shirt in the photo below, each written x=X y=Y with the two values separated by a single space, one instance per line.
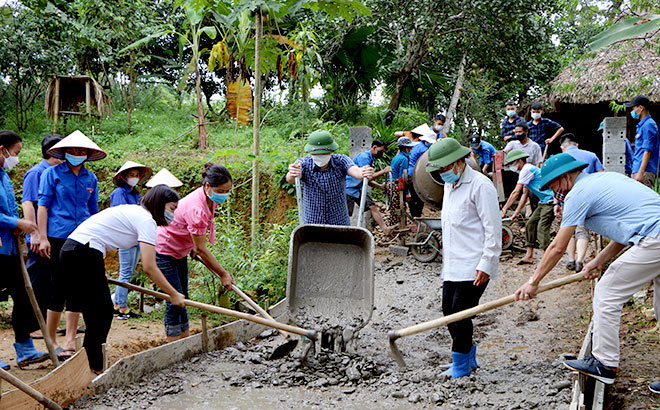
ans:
x=426 y=138
x=354 y=185
x=542 y=130
x=323 y=180
x=484 y=150
x=12 y=277
x=41 y=280
x=537 y=229
x=399 y=164
x=629 y=214
x=509 y=123
x=647 y=145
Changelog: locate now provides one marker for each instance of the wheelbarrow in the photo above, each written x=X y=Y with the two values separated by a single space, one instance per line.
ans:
x=428 y=239
x=330 y=284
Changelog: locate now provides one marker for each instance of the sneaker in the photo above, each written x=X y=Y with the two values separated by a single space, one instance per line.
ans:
x=129 y=314
x=593 y=368
x=579 y=266
x=655 y=387
x=570 y=265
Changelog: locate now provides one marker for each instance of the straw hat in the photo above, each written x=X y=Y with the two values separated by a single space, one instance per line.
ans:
x=77 y=140
x=423 y=129
x=164 y=177
x=145 y=171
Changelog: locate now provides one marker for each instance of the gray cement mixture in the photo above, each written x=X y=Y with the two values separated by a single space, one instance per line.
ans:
x=519 y=347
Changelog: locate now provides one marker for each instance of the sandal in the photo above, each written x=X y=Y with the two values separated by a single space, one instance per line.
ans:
x=524 y=262
x=64 y=354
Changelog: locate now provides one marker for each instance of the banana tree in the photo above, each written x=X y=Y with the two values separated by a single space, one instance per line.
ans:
x=630 y=28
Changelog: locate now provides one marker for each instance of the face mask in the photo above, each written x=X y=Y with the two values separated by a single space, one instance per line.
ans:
x=560 y=193
x=379 y=155
x=75 y=160
x=321 y=160
x=132 y=181
x=536 y=115
x=218 y=198
x=437 y=128
x=169 y=216
x=10 y=162
x=634 y=114
x=450 y=176
x=510 y=113
x=514 y=169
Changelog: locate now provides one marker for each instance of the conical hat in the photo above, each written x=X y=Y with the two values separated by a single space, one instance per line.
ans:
x=421 y=129
x=77 y=140
x=164 y=177
x=145 y=171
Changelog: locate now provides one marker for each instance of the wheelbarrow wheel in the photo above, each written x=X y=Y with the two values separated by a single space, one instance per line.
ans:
x=507 y=237
x=428 y=252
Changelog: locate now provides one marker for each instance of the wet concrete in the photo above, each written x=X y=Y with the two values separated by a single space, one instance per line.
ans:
x=518 y=351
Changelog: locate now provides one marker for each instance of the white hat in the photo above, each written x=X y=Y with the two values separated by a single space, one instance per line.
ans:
x=77 y=140
x=421 y=129
x=145 y=171
x=164 y=177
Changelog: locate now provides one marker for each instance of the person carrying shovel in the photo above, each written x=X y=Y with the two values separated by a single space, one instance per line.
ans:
x=471 y=243
x=629 y=214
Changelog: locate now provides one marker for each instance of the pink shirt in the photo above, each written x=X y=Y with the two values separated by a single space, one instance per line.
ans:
x=192 y=217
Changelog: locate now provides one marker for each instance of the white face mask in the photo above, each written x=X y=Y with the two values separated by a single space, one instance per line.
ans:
x=321 y=160
x=132 y=181
x=514 y=168
x=536 y=115
x=10 y=162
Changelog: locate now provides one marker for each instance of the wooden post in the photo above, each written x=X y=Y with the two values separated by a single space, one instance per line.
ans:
x=79 y=342
x=205 y=335
x=29 y=390
x=56 y=110
x=104 y=349
x=258 y=22
x=88 y=99
x=498 y=162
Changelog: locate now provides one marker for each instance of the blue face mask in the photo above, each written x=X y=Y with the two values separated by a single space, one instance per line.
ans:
x=218 y=198
x=634 y=114
x=511 y=113
x=75 y=160
x=450 y=176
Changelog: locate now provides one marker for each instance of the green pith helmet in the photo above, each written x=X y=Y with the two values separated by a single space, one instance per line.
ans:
x=558 y=165
x=515 y=154
x=320 y=142
x=444 y=152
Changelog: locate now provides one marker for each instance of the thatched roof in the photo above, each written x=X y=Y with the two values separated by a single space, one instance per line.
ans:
x=73 y=95
x=617 y=72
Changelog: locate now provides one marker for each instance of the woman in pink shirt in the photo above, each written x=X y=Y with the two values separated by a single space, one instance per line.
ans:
x=186 y=234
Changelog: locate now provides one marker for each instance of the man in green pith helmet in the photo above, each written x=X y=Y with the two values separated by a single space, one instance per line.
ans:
x=471 y=243
x=323 y=178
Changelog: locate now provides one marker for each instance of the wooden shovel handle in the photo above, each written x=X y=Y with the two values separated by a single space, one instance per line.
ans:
x=254 y=305
x=468 y=313
x=311 y=334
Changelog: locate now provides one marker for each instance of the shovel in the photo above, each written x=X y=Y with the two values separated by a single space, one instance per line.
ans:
x=311 y=334
x=468 y=313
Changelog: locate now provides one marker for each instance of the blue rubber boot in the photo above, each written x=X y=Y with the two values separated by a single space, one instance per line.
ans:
x=27 y=354
x=460 y=366
x=473 y=357
x=4 y=366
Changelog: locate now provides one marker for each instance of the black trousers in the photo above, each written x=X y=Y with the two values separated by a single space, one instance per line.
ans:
x=458 y=296
x=84 y=270
x=11 y=279
x=41 y=283
x=57 y=295
x=415 y=205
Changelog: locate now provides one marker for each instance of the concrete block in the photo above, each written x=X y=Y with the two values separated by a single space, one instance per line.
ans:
x=398 y=250
x=614 y=122
x=359 y=140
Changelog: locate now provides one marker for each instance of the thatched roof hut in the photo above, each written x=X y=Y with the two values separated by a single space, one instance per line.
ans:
x=67 y=94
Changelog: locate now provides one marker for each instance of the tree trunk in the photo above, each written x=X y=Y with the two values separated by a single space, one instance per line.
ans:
x=451 y=111
x=131 y=91
x=203 y=133
x=256 y=120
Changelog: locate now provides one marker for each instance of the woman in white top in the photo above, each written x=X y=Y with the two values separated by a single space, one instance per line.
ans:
x=83 y=252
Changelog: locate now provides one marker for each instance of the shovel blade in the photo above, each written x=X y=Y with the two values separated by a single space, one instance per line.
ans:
x=284 y=349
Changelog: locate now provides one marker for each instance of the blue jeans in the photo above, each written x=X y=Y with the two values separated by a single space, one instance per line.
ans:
x=176 y=272
x=128 y=259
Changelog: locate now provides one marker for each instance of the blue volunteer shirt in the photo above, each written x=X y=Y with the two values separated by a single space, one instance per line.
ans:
x=530 y=177
x=486 y=151
x=354 y=185
x=324 y=190
x=416 y=152
x=8 y=215
x=507 y=127
x=70 y=199
x=646 y=139
x=31 y=186
x=399 y=163
x=124 y=195
x=540 y=132
x=586 y=156
x=613 y=205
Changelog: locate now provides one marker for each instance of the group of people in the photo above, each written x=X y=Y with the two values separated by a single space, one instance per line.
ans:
x=68 y=239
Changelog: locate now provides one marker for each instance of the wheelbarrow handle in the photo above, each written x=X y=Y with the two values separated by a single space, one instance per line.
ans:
x=363 y=200
x=301 y=214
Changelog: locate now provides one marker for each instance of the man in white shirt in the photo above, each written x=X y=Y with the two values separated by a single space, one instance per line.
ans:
x=471 y=242
x=522 y=142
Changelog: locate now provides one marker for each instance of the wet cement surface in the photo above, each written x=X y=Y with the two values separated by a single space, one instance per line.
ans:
x=518 y=350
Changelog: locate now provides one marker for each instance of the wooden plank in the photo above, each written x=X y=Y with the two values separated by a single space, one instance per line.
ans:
x=498 y=162
x=63 y=385
x=599 y=396
x=88 y=98
x=56 y=111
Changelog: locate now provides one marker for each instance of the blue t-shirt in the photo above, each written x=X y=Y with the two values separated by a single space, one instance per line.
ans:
x=416 y=152
x=354 y=185
x=70 y=199
x=613 y=205
x=530 y=177
x=8 y=215
x=124 y=195
x=646 y=139
x=586 y=156
x=399 y=163
x=31 y=186
x=486 y=151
